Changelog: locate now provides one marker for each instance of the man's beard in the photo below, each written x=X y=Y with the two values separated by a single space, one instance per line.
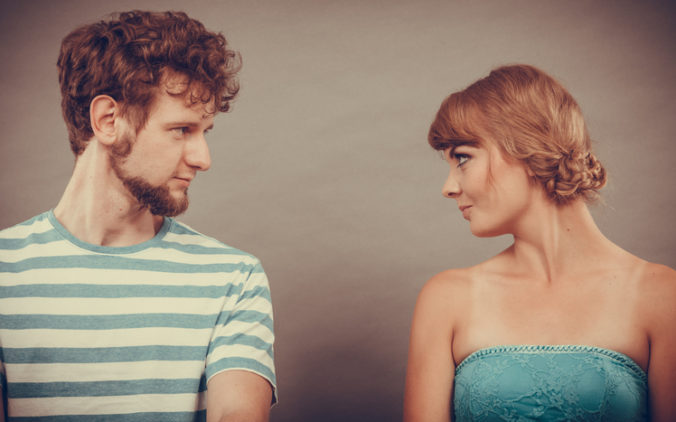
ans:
x=157 y=199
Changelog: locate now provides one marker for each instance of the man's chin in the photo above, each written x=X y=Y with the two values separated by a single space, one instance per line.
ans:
x=158 y=199
x=169 y=207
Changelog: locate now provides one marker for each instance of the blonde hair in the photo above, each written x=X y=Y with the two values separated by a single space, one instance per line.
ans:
x=532 y=118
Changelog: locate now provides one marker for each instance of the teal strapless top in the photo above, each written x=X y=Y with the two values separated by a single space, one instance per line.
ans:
x=549 y=383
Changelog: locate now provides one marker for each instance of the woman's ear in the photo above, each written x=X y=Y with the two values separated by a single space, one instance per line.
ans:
x=103 y=111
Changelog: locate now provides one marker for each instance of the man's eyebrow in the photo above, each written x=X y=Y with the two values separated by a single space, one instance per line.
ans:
x=182 y=123
x=186 y=123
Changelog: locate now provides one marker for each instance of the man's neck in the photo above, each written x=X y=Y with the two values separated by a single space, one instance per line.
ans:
x=96 y=207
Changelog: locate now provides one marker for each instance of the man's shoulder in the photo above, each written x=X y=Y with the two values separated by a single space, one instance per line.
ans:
x=25 y=231
x=197 y=242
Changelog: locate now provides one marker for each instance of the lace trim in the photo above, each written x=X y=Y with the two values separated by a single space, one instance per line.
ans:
x=564 y=348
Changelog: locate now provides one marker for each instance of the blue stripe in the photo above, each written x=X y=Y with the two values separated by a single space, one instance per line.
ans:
x=180 y=228
x=118 y=291
x=201 y=250
x=27 y=390
x=112 y=262
x=258 y=291
x=106 y=322
x=198 y=416
x=34 y=238
x=251 y=316
x=103 y=354
x=112 y=322
x=55 y=236
x=242 y=339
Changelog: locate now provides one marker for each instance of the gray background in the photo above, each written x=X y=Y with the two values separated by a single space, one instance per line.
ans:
x=322 y=169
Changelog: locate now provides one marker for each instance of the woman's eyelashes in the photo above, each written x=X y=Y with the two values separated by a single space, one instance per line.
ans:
x=460 y=158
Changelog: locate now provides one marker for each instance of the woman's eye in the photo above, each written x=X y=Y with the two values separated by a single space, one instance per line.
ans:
x=461 y=158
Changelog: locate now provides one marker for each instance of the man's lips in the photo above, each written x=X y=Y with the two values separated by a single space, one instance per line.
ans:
x=184 y=180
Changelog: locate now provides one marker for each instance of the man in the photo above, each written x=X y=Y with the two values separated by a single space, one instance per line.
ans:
x=109 y=308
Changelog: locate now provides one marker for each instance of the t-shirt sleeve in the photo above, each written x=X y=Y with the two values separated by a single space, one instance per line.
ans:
x=244 y=335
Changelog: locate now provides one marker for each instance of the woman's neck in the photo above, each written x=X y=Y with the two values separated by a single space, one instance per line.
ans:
x=555 y=241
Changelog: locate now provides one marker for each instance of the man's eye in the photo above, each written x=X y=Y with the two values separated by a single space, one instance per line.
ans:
x=180 y=130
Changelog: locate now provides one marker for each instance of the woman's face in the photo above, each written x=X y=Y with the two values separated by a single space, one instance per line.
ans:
x=492 y=192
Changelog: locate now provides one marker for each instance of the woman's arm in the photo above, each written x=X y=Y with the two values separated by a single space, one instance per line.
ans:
x=661 y=309
x=430 y=371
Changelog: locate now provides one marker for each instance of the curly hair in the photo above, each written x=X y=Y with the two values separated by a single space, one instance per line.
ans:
x=127 y=57
x=532 y=118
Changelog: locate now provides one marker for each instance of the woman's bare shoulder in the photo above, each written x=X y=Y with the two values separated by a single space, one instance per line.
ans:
x=459 y=281
x=451 y=281
x=659 y=273
x=440 y=304
x=447 y=291
x=657 y=287
x=657 y=279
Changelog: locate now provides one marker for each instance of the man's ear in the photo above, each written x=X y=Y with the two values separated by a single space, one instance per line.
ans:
x=103 y=111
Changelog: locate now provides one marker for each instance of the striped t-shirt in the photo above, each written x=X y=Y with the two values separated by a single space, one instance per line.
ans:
x=125 y=333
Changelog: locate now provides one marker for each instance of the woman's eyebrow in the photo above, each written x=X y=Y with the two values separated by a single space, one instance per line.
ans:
x=470 y=143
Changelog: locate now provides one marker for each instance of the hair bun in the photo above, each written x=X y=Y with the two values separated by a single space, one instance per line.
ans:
x=577 y=175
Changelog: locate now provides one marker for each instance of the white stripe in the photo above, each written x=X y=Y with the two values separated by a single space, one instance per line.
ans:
x=21 y=232
x=110 y=306
x=193 y=239
x=105 y=371
x=105 y=338
x=106 y=405
x=238 y=327
x=198 y=239
x=256 y=303
x=240 y=350
x=56 y=248
x=134 y=276
x=257 y=279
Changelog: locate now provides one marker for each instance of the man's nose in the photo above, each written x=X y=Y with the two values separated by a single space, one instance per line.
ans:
x=197 y=153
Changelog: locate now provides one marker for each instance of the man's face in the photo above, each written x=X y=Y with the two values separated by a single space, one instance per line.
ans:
x=165 y=154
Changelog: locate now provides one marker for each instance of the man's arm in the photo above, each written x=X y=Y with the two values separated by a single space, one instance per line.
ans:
x=238 y=396
x=239 y=366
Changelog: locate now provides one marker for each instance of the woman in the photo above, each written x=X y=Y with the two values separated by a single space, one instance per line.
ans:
x=563 y=324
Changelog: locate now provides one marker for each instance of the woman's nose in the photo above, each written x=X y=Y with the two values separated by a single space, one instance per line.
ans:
x=451 y=187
